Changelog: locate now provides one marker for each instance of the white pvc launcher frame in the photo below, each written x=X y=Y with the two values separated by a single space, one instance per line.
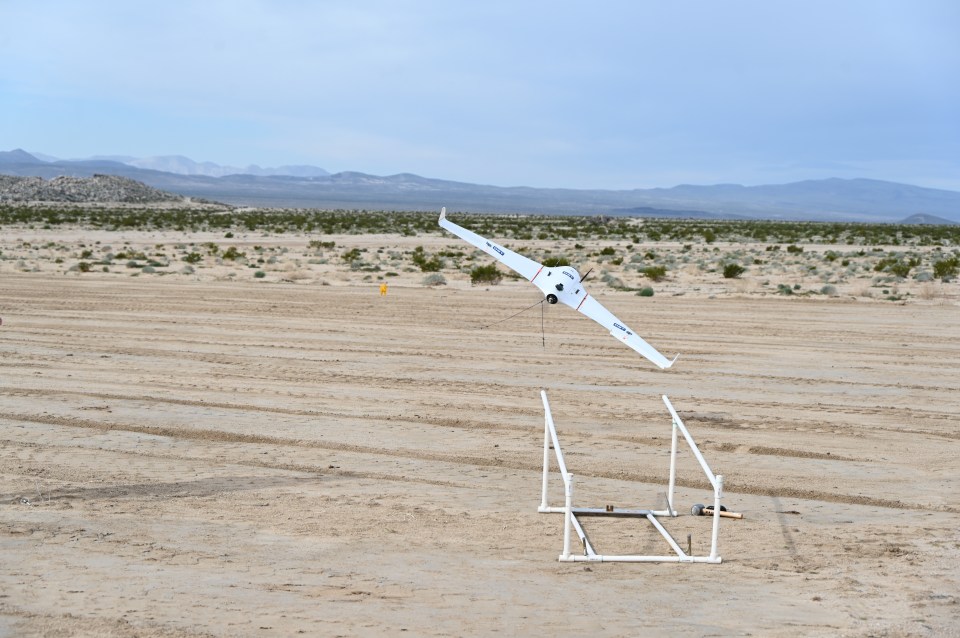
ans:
x=571 y=513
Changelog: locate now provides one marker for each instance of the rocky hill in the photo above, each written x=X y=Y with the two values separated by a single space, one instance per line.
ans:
x=95 y=189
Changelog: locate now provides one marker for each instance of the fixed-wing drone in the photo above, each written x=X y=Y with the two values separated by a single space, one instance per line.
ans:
x=560 y=284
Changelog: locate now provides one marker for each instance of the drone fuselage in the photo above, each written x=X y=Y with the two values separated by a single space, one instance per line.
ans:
x=560 y=284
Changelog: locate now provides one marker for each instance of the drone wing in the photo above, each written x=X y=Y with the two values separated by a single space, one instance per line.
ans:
x=619 y=331
x=528 y=268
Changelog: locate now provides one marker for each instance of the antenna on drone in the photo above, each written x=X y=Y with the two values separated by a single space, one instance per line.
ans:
x=543 y=337
x=585 y=275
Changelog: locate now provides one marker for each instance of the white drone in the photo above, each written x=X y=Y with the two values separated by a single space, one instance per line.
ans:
x=561 y=283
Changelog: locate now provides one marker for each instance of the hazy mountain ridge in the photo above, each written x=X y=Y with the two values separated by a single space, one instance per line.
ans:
x=182 y=165
x=818 y=200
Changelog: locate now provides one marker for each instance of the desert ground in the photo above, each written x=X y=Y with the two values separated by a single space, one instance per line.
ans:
x=205 y=452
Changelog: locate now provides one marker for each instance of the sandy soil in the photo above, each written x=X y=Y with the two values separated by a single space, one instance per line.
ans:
x=187 y=455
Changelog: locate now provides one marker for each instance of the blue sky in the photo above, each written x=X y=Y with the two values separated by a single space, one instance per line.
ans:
x=613 y=94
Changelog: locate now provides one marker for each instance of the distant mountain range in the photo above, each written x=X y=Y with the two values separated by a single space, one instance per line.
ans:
x=185 y=166
x=834 y=199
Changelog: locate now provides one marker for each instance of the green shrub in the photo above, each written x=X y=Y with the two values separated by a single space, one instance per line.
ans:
x=485 y=275
x=895 y=266
x=232 y=254
x=259 y=274
x=553 y=262
x=426 y=264
x=656 y=273
x=193 y=258
x=900 y=269
x=646 y=291
x=946 y=268
x=732 y=271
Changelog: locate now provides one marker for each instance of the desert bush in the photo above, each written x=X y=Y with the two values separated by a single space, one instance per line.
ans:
x=829 y=290
x=426 y=264
x=233 y=254
x=646 y=291
x=434 y=279
x=946 y=268
x=613 y=282
x=259 y=274
x=732 y=271
x=485 y=275
x=656 y=273
x=895 y=266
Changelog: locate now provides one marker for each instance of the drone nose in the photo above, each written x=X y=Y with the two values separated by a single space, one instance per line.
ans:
x=560 y=287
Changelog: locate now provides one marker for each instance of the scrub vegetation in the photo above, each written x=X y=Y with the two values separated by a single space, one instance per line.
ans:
x=669 y=256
